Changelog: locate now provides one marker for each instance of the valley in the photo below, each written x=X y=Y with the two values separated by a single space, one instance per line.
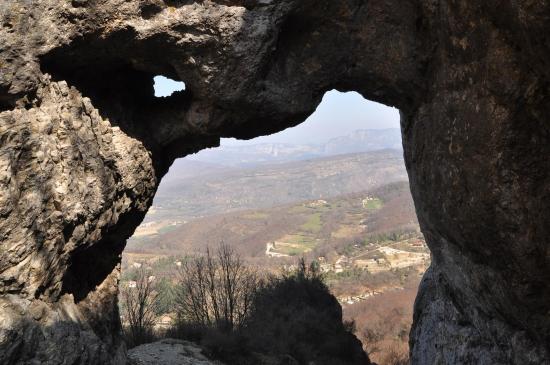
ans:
x=196 y=189
x=367 y=244
x=349 y=214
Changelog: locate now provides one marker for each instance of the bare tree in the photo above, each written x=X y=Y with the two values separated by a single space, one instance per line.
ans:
x=139 y=301
x=215 y=290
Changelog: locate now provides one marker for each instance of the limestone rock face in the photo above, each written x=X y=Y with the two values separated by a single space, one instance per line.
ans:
x=72 y=187
x=84 y=144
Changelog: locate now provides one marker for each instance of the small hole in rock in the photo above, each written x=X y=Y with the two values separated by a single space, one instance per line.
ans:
x=166 y=87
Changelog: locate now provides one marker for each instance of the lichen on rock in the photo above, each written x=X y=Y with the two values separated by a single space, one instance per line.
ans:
x=84 y=144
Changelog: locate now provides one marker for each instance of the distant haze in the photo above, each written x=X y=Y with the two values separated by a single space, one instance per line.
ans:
x=339 y=114
x=259 y=152
x=348 y=145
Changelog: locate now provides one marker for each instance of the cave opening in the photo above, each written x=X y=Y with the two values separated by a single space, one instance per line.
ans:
x=332 y=189
x=136 y=93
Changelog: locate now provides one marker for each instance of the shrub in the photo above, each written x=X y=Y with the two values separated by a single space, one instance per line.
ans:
x=291 y=319
x=296 y=315
x=229 y=347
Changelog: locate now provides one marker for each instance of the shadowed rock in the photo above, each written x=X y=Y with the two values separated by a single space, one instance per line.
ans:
x=84 y=144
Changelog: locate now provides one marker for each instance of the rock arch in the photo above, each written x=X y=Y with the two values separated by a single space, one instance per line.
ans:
x=84 y=144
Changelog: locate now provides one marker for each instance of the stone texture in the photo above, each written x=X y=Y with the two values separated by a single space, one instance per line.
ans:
x=177 y=352
x=168 y=352
x=68 y=178
x=84 y=143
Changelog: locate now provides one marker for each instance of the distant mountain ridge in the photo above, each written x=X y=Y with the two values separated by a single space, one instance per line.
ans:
x=365 y=140
x=193 y=189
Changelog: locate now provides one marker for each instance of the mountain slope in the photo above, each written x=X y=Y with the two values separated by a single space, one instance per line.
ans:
x=187 y=196
x=319 y=225
x=249 y=155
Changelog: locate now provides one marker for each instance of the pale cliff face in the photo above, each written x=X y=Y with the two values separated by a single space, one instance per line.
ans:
x=82 y=151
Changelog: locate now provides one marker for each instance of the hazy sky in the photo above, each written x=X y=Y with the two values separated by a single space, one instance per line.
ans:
x=165 y=87
x=338 y=114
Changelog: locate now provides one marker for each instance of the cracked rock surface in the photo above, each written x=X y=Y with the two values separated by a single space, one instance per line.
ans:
x=84 y=144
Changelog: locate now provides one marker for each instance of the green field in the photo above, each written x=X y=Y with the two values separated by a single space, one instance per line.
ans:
x=373 y=204
x=313 y=224
x=296 y=244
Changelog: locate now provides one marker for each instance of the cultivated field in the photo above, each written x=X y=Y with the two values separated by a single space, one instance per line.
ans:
x=367 y=244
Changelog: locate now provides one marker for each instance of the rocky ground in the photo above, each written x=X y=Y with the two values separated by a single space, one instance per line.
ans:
x=169 y=352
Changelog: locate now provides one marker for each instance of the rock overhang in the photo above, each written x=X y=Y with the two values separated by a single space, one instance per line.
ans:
x=470 y=80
